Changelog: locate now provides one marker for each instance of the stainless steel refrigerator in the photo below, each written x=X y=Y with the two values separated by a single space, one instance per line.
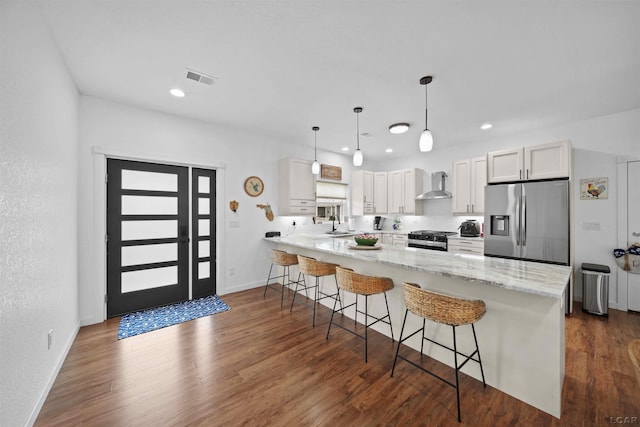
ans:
x=528 y=221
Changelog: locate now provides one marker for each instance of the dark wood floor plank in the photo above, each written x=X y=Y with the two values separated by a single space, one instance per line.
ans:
x=259 y=365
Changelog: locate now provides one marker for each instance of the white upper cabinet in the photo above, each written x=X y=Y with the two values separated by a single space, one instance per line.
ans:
x=404 y=186
x=367 y=187
x=478 y=182
x=546 y=161
x=297 y=188
x=362 y=193
x=469 y=180
x=533 y=162
x=505 y=165
x=395 y=191
x=380 y=193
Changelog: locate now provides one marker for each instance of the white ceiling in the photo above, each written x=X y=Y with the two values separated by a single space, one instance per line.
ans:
x=282 y=67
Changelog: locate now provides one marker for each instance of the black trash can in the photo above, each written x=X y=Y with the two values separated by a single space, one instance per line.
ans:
x=595 y=289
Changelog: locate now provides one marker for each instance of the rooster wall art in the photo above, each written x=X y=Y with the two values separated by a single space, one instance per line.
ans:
x=595 y=191
x=594 y=188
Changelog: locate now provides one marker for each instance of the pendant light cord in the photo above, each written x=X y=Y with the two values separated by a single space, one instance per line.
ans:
x=426 y=100
x=358 y=129
x=315 y=145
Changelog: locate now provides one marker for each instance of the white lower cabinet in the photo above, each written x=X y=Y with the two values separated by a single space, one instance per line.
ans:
x=400 y=239
x=387 y=239
x=461 y=245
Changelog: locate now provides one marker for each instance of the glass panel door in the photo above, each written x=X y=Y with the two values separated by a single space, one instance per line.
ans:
x=147 y=235
x=203 y=196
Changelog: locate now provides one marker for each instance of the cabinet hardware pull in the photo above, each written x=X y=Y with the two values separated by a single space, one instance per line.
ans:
x=467 y=208
x=520 y=173
x=471 y=207
x=527 y=173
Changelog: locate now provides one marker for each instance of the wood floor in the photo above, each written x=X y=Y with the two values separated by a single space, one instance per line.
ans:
x=259 y=365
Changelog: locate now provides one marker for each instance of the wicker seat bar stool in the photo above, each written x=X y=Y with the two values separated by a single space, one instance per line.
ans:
x=360 y=284
x=312 y=267
x=284 y=260
x=447 y=310
x=634 y=355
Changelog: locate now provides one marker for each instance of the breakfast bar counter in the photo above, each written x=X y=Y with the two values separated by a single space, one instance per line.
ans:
x=521 y=337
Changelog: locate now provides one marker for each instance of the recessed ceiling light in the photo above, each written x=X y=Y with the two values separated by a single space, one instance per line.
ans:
x=389 y=150
x=178 y=93
x=399 y=128
x=486 y=126
x=345 y=148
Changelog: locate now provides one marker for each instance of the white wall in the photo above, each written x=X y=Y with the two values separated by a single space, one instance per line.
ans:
x=595 y=246
x=145 y=134
x=38 y=211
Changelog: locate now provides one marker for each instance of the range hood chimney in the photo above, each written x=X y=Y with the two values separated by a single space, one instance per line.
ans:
x=437 y=188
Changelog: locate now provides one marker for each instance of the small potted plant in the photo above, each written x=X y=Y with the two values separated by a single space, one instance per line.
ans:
x=397 y=222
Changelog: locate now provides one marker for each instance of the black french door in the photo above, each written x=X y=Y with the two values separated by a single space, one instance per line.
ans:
x=203 y=246
x=147 y=235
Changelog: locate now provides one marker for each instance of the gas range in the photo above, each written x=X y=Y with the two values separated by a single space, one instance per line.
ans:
x=429 y=239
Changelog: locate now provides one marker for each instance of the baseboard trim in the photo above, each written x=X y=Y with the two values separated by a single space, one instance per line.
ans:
x=240 y=287
x=43 y=396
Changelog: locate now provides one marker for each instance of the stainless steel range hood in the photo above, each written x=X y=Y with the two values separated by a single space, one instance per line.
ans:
x=437 y=188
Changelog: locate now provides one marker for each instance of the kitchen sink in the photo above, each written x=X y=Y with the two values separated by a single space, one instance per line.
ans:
x=339 y=233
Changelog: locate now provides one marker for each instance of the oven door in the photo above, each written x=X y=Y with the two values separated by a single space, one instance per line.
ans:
x=427 y=244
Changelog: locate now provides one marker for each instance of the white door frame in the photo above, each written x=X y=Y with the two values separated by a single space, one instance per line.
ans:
x=99 y=254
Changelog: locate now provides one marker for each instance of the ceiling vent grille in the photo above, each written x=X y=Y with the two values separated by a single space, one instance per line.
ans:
x=200 y=77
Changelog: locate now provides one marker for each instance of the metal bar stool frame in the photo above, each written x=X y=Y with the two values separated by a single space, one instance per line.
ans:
x=446 y=310
x=312 y=267
x=360 y=284
x=284 y=260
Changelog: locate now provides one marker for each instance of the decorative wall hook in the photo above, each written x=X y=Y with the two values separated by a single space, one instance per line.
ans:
x=233 y=205
x=267 y=211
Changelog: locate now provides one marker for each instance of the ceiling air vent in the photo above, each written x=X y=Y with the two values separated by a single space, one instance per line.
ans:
x=200 y=77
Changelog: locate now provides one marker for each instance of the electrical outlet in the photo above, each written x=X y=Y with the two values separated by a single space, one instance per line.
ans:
x=49 y=339
x=232 y=272
x=595 y=226
x=234 y=224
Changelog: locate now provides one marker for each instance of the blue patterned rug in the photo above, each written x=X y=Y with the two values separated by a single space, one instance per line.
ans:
x=140 y=322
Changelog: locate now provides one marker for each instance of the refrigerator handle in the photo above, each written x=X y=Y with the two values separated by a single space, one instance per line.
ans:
x=524 y=220
x=517 y=218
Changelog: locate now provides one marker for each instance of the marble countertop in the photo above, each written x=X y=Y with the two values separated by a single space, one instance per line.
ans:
x=371 y=231
x=530 y=277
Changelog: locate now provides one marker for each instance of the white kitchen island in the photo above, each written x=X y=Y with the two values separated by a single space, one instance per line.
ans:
x=521 y=337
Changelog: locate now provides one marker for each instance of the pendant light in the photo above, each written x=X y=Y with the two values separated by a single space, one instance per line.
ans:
x=357 y=156
x=426 y=139
x=315 y=166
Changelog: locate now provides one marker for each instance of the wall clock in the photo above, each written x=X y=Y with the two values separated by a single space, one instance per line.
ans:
x=253 y=186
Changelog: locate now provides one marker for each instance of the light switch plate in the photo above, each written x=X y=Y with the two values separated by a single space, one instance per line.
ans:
x=594 y=226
